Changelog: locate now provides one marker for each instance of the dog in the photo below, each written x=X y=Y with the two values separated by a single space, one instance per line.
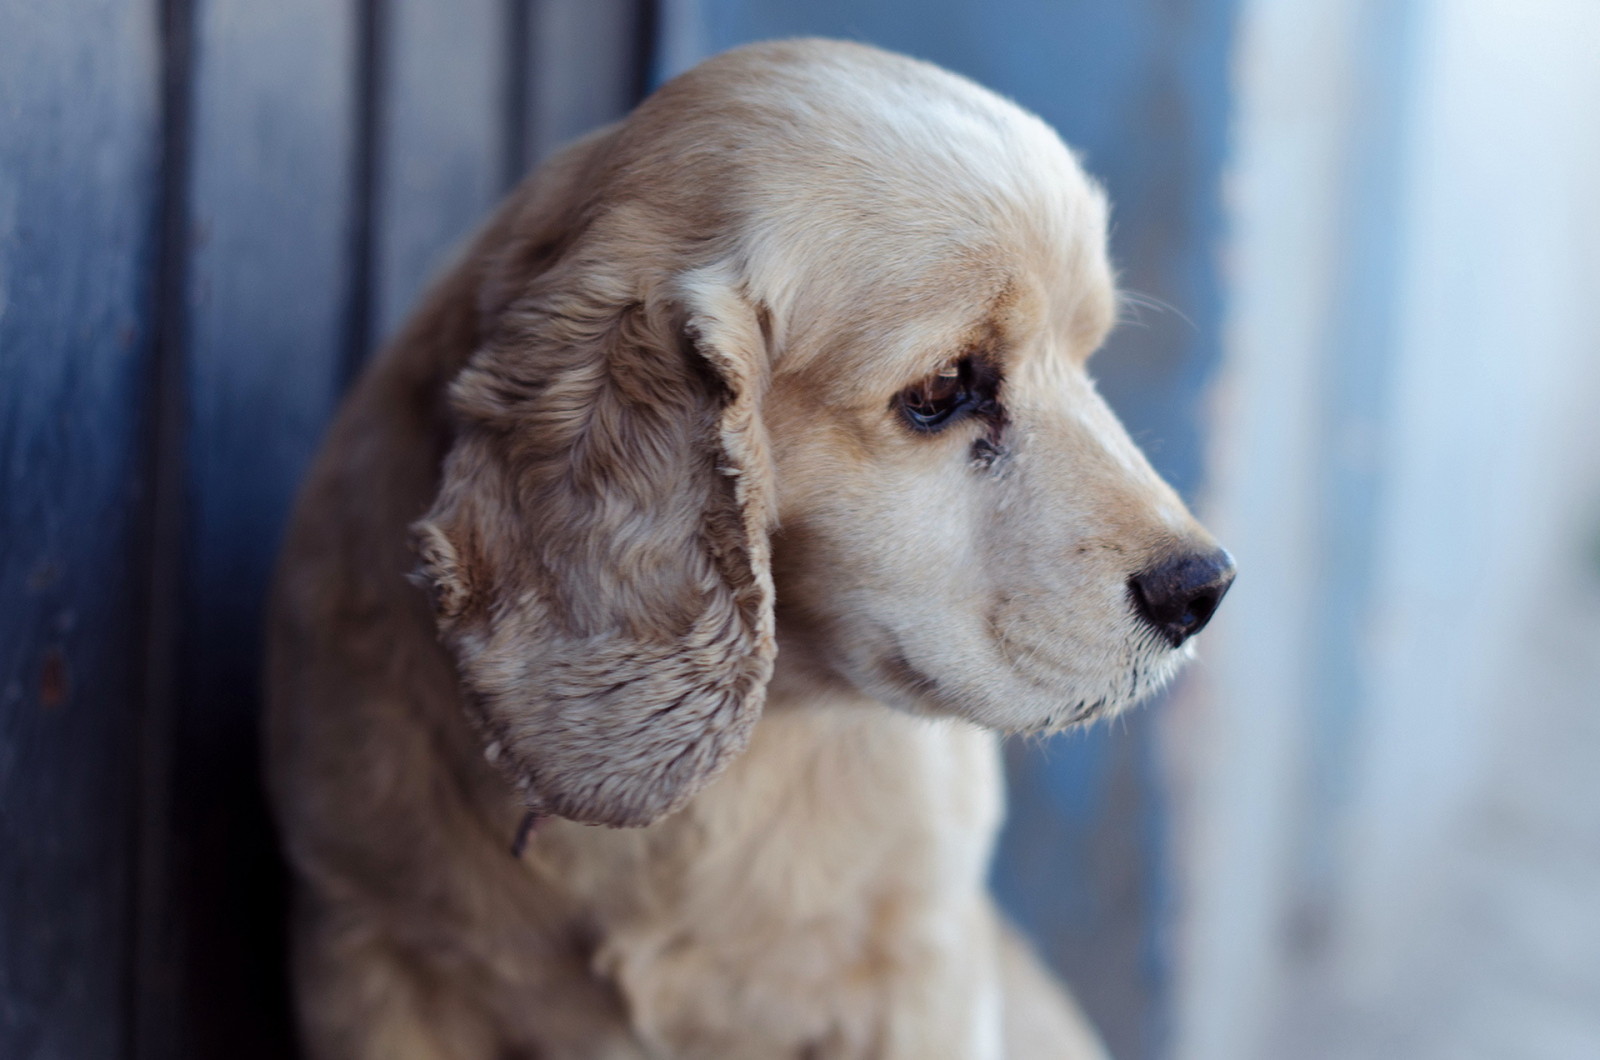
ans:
x=751 y=474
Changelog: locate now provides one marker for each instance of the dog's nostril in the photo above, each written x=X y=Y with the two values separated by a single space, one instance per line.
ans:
x=1178 y=596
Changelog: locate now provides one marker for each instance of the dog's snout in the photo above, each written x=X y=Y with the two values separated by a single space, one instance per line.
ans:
x=1178 y=596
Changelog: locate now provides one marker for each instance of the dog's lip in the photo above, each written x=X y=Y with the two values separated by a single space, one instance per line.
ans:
x=1149 y=668
x=896 y=665
x=1017 y=655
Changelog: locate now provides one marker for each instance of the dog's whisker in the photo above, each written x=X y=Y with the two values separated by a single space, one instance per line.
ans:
x=1127 y=298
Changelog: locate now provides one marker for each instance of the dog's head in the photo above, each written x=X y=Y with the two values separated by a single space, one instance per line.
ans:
x=816 y=316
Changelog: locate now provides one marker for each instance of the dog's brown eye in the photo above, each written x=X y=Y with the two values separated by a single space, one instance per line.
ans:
x=948 y=395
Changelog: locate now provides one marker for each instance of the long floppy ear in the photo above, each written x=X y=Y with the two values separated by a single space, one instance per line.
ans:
x=598 y=550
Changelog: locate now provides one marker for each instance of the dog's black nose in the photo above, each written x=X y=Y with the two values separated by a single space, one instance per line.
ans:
x=1178 y=596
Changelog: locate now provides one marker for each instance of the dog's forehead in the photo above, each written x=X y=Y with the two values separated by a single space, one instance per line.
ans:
x=845 y=142
x=892 y=213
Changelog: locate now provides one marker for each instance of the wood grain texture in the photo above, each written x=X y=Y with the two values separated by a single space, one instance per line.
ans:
x=78 y=186
x=268 y=301
x=586 y=63
x=471 y=95
x=442 y=134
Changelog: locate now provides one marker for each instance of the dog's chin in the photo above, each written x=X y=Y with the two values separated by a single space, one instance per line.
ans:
x=1141 y=680
x=1029 y=699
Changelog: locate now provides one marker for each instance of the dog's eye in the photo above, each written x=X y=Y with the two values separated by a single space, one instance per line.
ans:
x=939 y=399
x=943 y=398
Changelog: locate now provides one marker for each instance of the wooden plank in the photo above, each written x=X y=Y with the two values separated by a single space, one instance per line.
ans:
x=588 y=61
x=274 y=205
x=440 y=143
x=471 y=96
x=78 y=191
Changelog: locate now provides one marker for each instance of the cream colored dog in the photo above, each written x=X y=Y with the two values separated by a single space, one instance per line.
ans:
x=756 y=480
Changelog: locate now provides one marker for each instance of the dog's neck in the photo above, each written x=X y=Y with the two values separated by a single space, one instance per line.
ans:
x=828 y=767
x=848 y=837
x=831 y=755
x=804 y=675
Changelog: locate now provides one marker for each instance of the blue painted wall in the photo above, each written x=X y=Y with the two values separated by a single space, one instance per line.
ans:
x=79 y=187
x=209 y=211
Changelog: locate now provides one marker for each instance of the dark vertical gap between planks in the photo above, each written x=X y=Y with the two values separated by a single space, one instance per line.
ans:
x=367 y=127
x=647 y=19
x=153 y=1000
x=265 y=302
x=518 y=26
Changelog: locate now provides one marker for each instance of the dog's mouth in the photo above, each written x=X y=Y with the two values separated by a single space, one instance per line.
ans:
x=1028 y=689
x=1146 y=673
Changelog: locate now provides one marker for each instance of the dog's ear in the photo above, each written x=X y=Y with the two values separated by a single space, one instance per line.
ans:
x=598 y=551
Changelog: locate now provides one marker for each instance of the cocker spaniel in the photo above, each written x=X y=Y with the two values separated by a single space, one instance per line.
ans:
x=750 y=470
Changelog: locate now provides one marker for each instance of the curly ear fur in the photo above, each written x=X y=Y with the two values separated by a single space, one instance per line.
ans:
x=598 y=549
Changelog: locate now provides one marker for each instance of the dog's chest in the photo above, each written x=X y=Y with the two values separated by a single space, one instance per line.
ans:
x=828 y=885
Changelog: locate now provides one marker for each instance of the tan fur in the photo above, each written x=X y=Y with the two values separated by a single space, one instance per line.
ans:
x=639 y=440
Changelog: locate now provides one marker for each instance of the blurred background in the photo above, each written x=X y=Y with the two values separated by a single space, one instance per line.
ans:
x=1362 y=241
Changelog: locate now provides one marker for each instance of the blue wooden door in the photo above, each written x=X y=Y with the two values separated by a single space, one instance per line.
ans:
x=81 y=96
x=210 y=211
